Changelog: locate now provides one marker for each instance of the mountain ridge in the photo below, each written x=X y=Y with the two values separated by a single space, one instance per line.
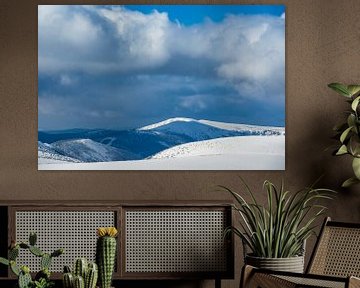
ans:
x=112 y=145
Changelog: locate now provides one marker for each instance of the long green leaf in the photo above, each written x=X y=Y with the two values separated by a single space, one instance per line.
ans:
x=340 y=88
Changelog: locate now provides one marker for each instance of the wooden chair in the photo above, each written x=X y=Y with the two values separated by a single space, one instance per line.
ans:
x=335 y=262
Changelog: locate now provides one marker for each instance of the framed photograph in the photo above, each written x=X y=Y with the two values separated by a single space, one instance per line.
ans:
x=161 y=87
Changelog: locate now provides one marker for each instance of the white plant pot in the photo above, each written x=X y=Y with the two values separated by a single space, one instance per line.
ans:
x=291 y=264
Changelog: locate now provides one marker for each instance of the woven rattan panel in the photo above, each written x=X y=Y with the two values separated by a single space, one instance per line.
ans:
x=311 y=282
x=175 y=241
x=338 y=253
x=75 y=231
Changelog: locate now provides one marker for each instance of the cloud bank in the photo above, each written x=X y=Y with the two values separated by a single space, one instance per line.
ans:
x=115 y=67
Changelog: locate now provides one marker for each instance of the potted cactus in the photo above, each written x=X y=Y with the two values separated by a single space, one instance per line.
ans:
x=42 y=278
x=85 y=275
x=106 y=254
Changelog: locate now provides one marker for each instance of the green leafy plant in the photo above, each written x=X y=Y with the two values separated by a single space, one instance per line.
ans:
x=279 y=229
x=348 y=132
x=42 y=278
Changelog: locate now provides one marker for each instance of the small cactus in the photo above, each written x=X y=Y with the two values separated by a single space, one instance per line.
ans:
x=91 y=276
x=79 y=282
x=80 y=268
x=106 y=254
x=68 y=280
x=90 y=272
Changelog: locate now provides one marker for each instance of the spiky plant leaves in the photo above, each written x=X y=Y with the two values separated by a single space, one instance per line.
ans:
x=280 y=228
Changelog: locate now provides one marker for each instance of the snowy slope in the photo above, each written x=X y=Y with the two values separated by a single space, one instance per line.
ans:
x=230 y=153
x=266 y=130
x=166 y=122
x=47 y=155
x=261 y=145
x=87 y=150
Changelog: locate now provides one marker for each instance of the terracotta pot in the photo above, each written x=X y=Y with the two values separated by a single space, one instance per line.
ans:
x=291 y=264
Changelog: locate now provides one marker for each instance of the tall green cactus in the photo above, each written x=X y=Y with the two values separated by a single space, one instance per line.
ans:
x=106 y=254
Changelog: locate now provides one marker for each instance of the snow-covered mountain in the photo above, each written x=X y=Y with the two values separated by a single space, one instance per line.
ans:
x=87 y=150
x=230 y=153
x=185 y=124
x=103 y=145
x=47 y=154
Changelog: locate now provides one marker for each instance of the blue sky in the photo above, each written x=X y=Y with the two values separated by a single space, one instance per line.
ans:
x=123 y=67
x=191 y=14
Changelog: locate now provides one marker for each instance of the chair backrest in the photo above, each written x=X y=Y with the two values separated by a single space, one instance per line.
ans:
x=337 y=251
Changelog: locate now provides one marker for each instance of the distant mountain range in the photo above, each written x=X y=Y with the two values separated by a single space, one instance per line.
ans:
x=102 y=145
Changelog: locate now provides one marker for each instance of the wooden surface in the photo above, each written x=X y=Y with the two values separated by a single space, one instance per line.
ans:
x=322 y=46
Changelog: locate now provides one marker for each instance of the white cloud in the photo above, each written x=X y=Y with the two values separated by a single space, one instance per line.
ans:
x=246 y=51
x=142 y=38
